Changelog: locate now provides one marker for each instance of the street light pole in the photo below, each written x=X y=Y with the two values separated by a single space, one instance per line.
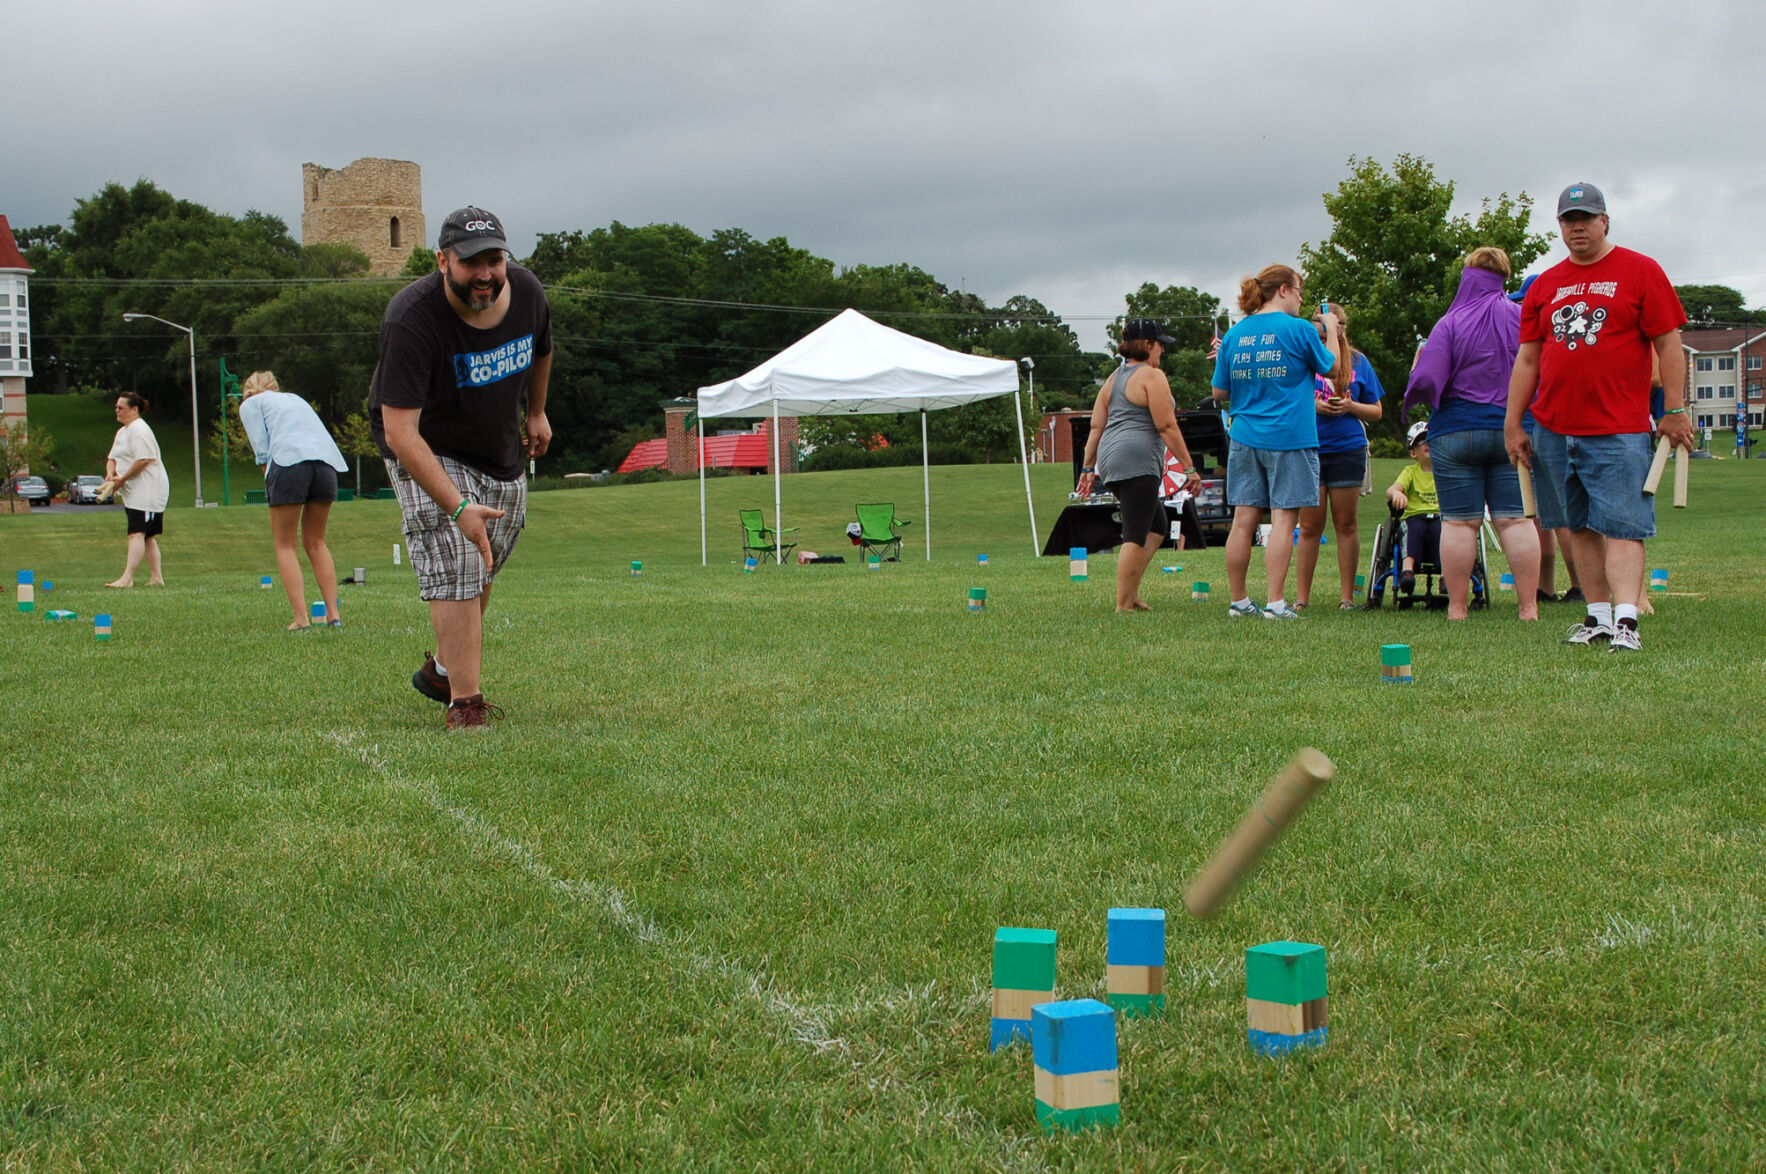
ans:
x=195 y=436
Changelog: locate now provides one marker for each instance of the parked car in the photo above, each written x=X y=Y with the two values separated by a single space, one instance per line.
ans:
x=83 y=490
x=33 y=489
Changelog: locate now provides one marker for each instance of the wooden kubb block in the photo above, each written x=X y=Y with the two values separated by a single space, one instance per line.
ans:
x=1135 y=961
x=1023 y=976
x=1073 y=1046
x=1286 y=997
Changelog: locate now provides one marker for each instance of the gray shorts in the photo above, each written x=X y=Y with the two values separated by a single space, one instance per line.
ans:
x=448 y=566
x=1271 y=478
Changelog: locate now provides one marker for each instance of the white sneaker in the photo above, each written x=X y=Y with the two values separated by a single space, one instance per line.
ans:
x=1281 y=612
x=1587 y=632
x=1625 y=639
x=1239 y=611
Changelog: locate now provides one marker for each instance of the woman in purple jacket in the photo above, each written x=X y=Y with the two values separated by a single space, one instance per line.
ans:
x=1462 y=375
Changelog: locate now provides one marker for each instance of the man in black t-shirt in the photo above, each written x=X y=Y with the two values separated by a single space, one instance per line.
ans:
x=461 y=352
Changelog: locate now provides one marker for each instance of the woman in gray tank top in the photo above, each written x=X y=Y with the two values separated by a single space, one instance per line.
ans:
x=1133 y=422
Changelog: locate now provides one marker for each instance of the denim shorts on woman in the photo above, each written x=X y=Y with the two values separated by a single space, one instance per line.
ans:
x=1472 y=471
x=1594 y=483
x=300 y=483
x=1271 y=478
x=1342 y=470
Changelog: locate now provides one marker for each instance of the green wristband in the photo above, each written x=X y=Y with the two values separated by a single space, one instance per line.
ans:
x=1675 y=412
x=460 y=509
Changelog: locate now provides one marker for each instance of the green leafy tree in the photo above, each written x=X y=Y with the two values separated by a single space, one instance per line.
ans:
x=19 y=450
x=355 y=437
x=1394 y=255
x=421 y=263
x=1716 y=304
x=1188 y=315
x=321 y=340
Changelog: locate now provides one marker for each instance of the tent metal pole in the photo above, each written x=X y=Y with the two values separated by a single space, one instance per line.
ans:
x=926 y=481
x=1024 y=457
x=778 y=517
x=701 y=493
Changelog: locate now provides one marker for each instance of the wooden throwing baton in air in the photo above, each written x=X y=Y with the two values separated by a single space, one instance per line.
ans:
x=1656 y=467
x=1274 y=810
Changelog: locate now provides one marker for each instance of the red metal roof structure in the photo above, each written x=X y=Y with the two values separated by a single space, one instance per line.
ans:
x=10 y=257
x=745 y=450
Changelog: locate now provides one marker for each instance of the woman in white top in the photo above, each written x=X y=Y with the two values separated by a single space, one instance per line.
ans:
x=301 y=463
x=135 y=473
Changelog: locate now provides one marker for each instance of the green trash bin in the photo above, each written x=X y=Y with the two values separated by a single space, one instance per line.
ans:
x=346 y=495
x=386 y=494
x=254 y=497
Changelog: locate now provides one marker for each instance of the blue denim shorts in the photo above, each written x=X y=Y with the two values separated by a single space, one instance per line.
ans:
x=1472 y=471
x=1343 y=470
x=1271 y=478
x=1594 y=483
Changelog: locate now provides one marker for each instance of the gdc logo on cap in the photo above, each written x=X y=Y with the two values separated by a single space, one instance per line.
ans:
x=471 y=230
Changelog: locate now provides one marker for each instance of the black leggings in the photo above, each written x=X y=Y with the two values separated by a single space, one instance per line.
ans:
x=1142 y=511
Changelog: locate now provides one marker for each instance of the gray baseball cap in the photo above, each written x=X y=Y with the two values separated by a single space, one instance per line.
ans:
x=1582 y=197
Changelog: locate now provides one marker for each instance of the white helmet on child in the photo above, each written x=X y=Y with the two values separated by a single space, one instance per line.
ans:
x=1418 y=432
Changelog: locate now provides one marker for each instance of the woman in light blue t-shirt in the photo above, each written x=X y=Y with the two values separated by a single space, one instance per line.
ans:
x=1266 y=369
x=301 y=463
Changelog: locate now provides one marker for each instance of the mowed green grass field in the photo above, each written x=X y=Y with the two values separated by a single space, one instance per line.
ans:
x=720 y=891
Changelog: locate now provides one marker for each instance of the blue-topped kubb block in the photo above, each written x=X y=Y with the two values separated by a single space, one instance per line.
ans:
x=1073 y=1046
x=1077 y=1035
x=1135 y=937
x=1134 y=960
x=1076 y=563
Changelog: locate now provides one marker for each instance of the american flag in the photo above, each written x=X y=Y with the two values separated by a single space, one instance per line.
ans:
x=1214 y=346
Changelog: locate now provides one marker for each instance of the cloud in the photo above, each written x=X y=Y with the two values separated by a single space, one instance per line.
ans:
x=1067 y=151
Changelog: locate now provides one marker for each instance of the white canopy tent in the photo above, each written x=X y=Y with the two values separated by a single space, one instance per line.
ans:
x=854 y=366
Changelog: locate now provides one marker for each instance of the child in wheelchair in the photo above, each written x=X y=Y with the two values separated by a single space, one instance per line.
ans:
x=1412 y=498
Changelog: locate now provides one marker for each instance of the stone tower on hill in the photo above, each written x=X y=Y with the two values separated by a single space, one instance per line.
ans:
x=373 y=204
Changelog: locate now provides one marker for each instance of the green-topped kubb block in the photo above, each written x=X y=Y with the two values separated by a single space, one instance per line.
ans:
x=1285 y=972
x=1395 y=654
x=1024 y=959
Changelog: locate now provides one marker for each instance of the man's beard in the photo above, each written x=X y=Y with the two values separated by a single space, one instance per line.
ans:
x=476 y=299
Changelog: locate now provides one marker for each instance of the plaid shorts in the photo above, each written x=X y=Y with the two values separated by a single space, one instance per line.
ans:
x=448 y=566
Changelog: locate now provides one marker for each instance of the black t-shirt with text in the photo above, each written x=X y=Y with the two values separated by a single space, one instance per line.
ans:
x=471 y=384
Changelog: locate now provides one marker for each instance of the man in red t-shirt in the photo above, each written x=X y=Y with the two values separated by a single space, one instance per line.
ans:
x=1589 y=327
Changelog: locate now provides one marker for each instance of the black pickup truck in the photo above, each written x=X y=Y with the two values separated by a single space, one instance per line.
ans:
x=1204 y=431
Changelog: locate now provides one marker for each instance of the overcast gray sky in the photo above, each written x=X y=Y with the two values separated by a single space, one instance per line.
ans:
x=1069 y=151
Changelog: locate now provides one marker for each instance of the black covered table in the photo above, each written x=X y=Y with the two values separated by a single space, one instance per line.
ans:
x=1098 y=527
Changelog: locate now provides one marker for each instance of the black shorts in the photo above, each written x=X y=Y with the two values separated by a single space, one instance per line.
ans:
x=299 y=484
x=1340 y=470
x=142 y=522
x=1142 y=511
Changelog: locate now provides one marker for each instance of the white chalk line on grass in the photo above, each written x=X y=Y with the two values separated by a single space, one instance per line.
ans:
x=806 y=1024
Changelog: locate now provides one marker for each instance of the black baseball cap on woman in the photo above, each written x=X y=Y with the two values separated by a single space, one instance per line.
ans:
x=1138 y=328
x=469 y=231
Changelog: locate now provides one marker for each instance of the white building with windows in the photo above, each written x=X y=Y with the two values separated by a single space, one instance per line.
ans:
x=1726 y=370
x=15 y=326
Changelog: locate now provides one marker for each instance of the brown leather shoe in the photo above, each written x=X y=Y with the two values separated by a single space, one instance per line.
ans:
x=431 y=683
x=474 y=712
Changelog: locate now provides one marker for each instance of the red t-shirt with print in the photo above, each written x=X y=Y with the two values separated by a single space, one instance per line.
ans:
x=1595 y=323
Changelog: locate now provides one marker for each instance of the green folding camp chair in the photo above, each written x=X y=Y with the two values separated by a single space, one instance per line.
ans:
x=880 y=531
x=760 y=541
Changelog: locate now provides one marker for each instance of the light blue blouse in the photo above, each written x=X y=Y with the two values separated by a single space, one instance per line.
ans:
x=284 y=428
